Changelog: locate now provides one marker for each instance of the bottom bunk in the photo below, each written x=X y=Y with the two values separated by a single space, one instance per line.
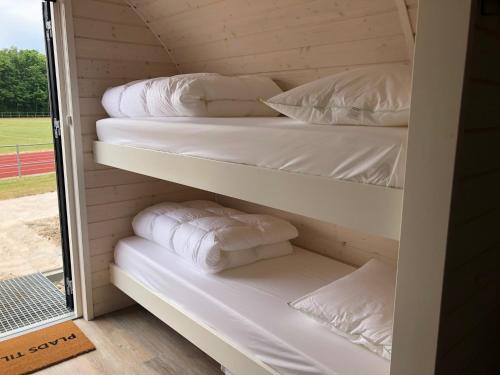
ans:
x=241 y=316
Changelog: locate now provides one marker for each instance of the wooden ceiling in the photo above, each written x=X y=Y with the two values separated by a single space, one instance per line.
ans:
x=293 y=41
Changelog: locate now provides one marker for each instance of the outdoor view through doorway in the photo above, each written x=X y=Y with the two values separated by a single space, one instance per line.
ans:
x=33 y=288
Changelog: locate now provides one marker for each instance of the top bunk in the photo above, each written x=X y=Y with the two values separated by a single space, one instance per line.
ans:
x=350 y=175
x=338 y=155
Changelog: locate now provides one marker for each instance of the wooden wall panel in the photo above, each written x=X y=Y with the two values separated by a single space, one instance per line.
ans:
x=102 y=10
x=471 y=290
x=284 y=39
x=123 y=69
x=340 y=243
x=103 y=30
x=343 y=31
x=114 y=46
x=359 y=52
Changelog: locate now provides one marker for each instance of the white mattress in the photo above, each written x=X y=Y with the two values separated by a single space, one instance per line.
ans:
x=248 y=305
x=372 y=155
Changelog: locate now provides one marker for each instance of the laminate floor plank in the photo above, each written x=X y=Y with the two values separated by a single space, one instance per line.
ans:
x=133 y=341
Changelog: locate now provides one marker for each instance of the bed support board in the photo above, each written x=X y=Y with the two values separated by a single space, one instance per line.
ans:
x=368 y=208
x=207 y=339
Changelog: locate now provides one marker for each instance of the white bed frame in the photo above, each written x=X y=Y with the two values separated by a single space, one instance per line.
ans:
x=368 y=208
x=217 y=346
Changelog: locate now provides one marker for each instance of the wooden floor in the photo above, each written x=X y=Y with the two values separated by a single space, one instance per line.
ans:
x=133 y=341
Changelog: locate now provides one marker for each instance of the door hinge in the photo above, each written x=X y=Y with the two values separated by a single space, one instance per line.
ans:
x=69 y=286
x=48 y=28
x=57 y=128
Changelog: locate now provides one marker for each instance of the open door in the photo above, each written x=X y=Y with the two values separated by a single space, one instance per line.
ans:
x=56 y=133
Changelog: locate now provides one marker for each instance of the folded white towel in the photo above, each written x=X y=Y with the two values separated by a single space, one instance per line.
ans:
x=213 y=237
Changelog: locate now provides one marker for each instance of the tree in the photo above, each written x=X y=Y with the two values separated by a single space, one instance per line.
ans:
x=23 y=81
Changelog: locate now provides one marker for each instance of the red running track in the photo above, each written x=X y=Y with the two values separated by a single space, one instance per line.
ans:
x=31 y=163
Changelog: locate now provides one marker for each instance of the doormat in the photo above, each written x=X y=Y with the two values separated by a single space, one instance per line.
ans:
x=46 y=347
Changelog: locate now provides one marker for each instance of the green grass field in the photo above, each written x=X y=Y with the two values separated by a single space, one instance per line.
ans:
x=25 y=131
x=30 y=185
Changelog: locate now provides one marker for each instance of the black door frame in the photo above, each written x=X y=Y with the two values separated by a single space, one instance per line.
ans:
x=58 y=150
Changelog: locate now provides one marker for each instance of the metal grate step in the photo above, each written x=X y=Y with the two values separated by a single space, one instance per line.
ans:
x=29 y=301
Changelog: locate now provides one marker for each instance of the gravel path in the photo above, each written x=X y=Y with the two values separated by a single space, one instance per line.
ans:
x=29 y=235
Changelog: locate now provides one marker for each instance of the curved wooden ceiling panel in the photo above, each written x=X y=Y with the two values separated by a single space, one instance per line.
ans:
x=294 y=41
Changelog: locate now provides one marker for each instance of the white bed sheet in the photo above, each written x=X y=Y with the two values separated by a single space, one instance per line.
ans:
x=372 y=155
x=248 y=305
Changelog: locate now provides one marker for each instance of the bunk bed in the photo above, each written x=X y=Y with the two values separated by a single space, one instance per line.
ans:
x=93 y=55
x=240 y=316
x=350 y=176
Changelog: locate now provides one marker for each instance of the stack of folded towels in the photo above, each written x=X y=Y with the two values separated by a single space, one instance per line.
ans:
x=212 y=237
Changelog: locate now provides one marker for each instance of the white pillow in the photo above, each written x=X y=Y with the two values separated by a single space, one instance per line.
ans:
x=193 y=95
x=377 y=96
x=359 y=306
